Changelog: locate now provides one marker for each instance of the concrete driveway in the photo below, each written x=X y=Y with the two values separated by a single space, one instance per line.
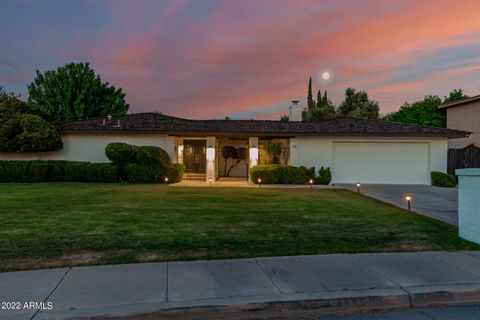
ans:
x=435 y=202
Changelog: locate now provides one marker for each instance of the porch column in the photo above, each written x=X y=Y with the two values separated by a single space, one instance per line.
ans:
x=180 y=151
x=252 y=154
x=211 y=170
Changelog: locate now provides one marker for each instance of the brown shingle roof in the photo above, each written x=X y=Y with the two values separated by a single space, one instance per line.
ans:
x=156 y=122
x=459 y=102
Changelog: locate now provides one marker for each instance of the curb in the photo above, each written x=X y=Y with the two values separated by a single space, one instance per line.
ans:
x=283 y=306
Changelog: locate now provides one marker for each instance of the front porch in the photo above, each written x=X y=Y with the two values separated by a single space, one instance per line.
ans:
x=213 y=159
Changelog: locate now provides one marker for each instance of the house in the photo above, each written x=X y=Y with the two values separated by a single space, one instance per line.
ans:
x=464 y=115
x=369 y=151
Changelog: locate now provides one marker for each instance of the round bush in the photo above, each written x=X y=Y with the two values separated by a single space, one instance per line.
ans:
x=151 y=156
x=120 y=153
x=444 y=180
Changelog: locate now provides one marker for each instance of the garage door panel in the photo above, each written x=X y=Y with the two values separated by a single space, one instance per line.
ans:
x=380 y=162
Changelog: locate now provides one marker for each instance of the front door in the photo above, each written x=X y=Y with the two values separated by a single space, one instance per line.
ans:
x=194 y=157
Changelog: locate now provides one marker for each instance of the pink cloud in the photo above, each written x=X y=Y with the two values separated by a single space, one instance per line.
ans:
x=183 y=59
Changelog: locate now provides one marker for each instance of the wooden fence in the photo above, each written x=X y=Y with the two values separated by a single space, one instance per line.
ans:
x=468 y=157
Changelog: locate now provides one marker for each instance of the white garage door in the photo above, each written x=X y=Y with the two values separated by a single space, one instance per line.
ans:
x=368 y=162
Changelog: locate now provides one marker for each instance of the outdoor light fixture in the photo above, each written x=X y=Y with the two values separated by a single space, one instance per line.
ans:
x=166 y=179
x=408 y=199
x=311 y=183
x=259 y=182
x=358 y=187
x=253 y=156
x=210 y=180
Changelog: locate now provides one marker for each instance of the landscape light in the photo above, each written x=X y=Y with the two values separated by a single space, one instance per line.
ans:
x=311 y=183
x=408 y=199
x=259 y=182
x=166 y=179
x=210 y=180
x=358 y=187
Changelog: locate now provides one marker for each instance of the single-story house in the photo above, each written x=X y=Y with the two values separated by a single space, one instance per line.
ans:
x=368 y=151
x=464 y=115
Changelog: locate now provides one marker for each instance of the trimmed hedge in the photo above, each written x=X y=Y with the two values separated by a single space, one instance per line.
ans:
x=445 y=180
x=143 y=164
x=101 y=172
x=142 y=174
x=278 y=174
x=56 y=170
x=151 y=156
x=121 y=154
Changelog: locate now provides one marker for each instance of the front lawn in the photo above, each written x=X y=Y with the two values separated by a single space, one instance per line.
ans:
x=60 y=224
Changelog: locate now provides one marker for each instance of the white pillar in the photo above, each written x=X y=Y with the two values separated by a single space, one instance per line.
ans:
x=211 y=170
x=180 y=151
x=469 y=204
x=252 y=153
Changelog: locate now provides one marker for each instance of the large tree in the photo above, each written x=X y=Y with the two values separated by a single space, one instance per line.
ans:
x=75 y=92
x=357 y=104
x=23 y=131
x=455 y=95
x=425 y=112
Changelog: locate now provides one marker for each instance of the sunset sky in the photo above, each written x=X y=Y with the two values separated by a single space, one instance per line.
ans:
x=247 y=59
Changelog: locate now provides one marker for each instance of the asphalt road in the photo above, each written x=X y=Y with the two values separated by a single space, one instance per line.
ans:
x=445 y=313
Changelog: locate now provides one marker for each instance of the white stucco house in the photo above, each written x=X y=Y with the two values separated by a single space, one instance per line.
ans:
x=369 y=151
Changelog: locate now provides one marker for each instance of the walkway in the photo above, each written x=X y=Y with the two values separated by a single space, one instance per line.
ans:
x=302 y=285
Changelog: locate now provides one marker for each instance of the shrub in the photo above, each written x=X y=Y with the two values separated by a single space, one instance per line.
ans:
x=445 y=180
x=151 y=156
x=28 y=133
x=50 y=170
x=57 y=170
x=75 y=170
x=273 y=151
x=268 y=173
x=275 y=173
x=140 y=174
x=292 y=175
x=180 y=171
x=22 y=131
x=101 y=172
x=38 y=171
x=14 y=171
x=324 y=176
x=121 y=154
x=174 y=173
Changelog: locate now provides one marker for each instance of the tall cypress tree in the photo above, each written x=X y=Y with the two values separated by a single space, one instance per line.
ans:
x=319 y=99
x=310 y=103
x=325 y=99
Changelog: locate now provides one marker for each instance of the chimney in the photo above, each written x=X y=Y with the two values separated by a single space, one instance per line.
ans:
x=295 y=111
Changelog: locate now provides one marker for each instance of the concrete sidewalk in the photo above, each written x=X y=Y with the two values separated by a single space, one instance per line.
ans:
x=246 y=288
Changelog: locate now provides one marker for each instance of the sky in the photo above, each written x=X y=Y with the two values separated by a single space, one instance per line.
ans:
x=247 y=59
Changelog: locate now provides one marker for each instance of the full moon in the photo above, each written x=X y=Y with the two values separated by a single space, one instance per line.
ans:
x=326 y=75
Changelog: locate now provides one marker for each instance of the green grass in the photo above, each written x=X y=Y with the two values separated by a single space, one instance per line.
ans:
x=61 y=224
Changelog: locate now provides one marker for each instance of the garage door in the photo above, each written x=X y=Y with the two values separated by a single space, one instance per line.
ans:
x=367 y=162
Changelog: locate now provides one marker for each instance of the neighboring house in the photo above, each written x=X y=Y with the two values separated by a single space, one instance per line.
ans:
x=368 y=151
x=464 y=115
